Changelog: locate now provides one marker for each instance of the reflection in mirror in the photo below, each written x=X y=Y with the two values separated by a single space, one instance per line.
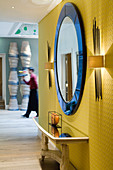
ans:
x=67 y=59
x=70 y=57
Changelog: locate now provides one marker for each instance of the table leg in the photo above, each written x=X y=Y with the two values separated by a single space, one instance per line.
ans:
x=44 y=146
x=43 y=157
x=64 y=165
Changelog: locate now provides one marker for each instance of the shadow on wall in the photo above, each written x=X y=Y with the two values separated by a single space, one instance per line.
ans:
x=109 y=60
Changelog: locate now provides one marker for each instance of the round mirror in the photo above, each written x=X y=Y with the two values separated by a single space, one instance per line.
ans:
x=67 y=59
x=70 y=58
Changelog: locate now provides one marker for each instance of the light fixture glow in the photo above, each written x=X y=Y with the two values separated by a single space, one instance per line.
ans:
x=96 y=61
x=41 y=2
x=12 y=7
x=49 y=66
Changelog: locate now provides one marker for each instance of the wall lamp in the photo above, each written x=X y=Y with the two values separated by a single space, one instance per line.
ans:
x=49 y=65
x=97 y=61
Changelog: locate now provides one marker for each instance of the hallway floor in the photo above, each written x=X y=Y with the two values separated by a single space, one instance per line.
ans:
x=20 y=145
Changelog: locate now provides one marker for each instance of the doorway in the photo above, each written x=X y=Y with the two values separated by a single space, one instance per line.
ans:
x=3 y=77
x=0 y=78
x=66 y=76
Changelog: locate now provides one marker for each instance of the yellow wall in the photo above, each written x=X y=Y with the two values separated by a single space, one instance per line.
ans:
x=95 y=119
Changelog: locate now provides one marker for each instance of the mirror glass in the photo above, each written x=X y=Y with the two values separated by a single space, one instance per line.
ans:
x=70 y=58
x=67 y=59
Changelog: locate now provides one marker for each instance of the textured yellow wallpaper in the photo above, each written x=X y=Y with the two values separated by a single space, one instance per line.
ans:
x=93 y=118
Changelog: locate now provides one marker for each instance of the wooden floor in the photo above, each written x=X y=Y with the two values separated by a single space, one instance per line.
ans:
x=20 y=145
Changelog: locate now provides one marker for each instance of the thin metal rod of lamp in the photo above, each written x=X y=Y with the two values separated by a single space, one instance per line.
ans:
x=97 y=61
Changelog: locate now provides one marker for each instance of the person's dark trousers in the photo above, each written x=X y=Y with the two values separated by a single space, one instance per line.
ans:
x=33 y=102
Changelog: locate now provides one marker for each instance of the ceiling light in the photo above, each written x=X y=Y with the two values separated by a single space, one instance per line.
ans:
x=41 y=2
x=12 y=7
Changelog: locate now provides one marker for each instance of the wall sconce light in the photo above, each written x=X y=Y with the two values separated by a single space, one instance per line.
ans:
x=97 y=61
x=49 y=65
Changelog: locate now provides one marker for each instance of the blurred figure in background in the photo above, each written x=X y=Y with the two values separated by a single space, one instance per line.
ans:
x=33 y=97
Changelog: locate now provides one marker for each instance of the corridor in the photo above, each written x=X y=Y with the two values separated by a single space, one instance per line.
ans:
x=19 y=144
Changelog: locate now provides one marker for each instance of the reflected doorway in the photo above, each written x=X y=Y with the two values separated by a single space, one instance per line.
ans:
x=66 y=76
x=68 y=82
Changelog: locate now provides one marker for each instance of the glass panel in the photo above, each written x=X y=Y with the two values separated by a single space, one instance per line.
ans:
x=67 y=59
x=67 y=130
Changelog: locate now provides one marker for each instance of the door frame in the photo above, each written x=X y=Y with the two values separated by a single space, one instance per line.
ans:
x=3 y=56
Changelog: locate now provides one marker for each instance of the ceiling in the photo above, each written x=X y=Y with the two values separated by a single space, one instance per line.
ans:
x=25 y=10
x=13 y=13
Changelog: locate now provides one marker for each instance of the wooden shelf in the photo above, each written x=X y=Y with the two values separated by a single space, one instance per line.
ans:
x=60 y=156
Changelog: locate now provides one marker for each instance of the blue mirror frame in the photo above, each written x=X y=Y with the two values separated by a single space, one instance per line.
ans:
x=71 y=11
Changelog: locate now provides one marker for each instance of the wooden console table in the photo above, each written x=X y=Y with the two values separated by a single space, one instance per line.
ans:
x=61 y=157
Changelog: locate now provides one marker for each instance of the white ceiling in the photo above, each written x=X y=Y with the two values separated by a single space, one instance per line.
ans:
x=23 y=11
